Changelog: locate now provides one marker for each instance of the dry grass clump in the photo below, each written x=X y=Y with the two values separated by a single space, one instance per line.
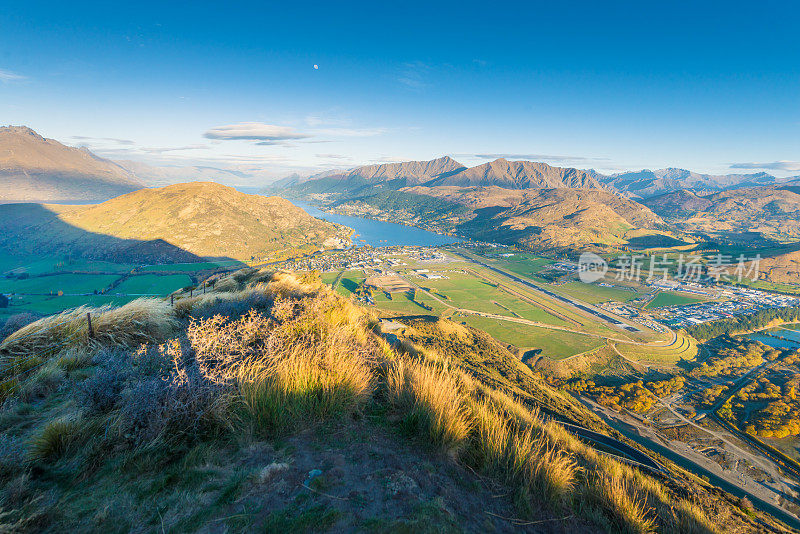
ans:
x=688 y=518
x=139 y=321
x=431 y=402
x=629 y=511
x=307 y=382
x=57 y=437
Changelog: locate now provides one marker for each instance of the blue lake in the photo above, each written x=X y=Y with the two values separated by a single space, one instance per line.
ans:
x=379 y=233
x=778 y=337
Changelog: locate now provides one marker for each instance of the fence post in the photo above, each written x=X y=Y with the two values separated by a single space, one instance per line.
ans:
x=191 y=292
x=172 y=300
x=89 y=320
x=204 y=287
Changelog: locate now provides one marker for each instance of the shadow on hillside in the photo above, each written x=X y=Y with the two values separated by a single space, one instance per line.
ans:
x=35 y=229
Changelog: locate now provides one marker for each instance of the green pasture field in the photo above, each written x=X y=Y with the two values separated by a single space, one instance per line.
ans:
x=595 y=294
x=522 y=263
x=193 y=267
x=589 y=323
x=468 y=292
x=152 y=284
x=329 y=277
x=672 y=298
x=555 y=344
x=52 y=304
x=348 y=283
x=68 y=283
x=34 y=265
x=400 y=303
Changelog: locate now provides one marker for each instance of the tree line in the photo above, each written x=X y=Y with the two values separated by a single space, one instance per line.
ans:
x=743 y=323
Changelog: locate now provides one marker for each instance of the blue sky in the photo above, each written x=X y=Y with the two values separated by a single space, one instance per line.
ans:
x=710 y=86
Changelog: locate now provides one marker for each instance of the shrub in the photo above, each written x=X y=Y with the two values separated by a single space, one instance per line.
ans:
x=100 y=392
x=182 y=407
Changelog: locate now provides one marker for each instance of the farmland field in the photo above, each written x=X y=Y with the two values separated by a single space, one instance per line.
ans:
x=522 y=264
x=401 y=303
x=151 y=284
x=594 y=294
x=684 y=347
x=193 y=267
x=68 y=283
x=555 y=344
x=348 y=282
x=671 y=298
x=468 y=292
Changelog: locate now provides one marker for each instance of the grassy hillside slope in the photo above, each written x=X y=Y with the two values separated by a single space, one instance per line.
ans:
x=273 y=404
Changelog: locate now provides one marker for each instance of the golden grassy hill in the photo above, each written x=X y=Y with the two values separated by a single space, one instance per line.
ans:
x=199 y=219
x=272 y=404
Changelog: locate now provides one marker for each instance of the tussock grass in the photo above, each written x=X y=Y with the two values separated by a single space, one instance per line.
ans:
x=306 y=382
x=56 y=439
x=431 y=403
x=688 y=518
x=627 y=509
x=139 y=321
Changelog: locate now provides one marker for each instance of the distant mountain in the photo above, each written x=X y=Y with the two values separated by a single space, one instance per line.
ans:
x=771 y=211
x=159 y=176
x=33 y=168
x=552 y=218
x=193 y=220
x=414 y=172
x=677 y=203
x=783 y=268
x=647 y=183
x=518 y=175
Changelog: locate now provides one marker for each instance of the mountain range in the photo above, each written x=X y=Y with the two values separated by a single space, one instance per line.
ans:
x=542 y=206
x=33 y=168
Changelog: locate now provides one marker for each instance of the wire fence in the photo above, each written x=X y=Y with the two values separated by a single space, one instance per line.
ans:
x=17 y=368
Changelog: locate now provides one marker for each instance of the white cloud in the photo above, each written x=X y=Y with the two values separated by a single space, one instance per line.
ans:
x=109 y=139
x=255 y=131
x=8 y=76
x=782 y=165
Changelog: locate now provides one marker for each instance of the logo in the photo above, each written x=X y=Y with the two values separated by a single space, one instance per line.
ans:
x=591 y=267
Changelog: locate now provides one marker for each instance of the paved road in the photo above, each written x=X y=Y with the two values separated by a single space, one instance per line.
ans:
x=632 y=453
